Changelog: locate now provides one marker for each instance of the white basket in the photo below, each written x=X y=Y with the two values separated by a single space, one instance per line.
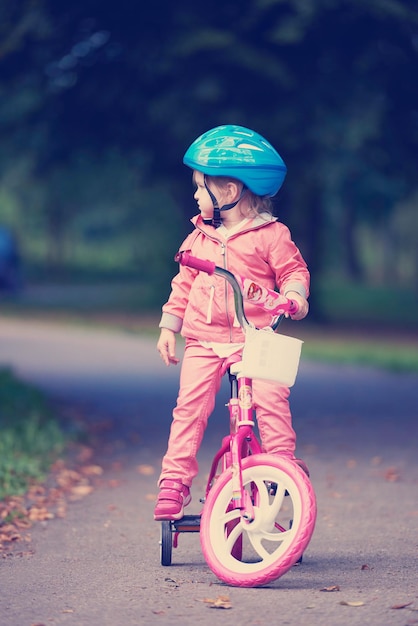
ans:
x=270 y=356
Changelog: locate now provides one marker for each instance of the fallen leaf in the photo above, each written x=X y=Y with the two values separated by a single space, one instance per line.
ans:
x=221 y=602
x=22 y=523
x=79 y=491
x=39 y=514
x=92 y=470
x=365 y=566
x=331 y=588
x=145 y=470
x=8 y=537
x=392 y=475
x=69 y=475
x=401 y=606
x=36 y=490
x=352 y=603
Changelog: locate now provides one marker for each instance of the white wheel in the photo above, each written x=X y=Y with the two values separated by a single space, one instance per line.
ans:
x=284 y=519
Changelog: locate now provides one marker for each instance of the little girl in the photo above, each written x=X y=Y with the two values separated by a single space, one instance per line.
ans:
x=235 y=172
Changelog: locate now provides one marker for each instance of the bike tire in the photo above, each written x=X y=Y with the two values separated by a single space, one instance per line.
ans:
x=166 y=543
x=269 y=546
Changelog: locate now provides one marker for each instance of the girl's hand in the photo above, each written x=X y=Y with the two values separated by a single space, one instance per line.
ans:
x=166 y=346
x=301 y=301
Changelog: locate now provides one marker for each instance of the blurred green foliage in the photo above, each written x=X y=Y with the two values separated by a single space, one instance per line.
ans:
x=30 y=436
x=388 y=355
x=98 y=105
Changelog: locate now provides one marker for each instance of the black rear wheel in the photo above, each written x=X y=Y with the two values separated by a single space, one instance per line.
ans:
x=166 y=543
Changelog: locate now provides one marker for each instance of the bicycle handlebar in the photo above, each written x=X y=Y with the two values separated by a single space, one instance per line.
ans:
x=244 y=289
x=185 y=258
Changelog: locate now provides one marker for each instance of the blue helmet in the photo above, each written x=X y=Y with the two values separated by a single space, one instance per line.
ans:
x=240 y=153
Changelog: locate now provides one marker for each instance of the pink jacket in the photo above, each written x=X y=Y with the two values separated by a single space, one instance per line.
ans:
x=202 y=306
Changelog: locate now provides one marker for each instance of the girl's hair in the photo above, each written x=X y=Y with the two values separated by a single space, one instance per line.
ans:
x=256 y=204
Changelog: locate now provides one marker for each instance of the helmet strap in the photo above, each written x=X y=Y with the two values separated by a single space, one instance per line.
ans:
x=216 y=221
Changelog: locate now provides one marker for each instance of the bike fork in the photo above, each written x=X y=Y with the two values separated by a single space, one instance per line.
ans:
x=242 y=424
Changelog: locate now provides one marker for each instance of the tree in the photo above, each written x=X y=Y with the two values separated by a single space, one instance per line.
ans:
x=328 y=82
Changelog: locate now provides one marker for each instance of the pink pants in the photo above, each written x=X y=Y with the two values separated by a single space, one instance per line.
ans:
x=200 y=380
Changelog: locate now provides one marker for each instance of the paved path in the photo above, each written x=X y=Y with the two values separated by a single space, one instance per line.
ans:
x=99 y=566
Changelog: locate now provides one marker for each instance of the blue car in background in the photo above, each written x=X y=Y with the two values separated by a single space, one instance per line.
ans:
x=10 y=261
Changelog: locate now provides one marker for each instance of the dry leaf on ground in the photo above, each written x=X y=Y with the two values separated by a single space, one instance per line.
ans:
x=221 y=602
x=392 y=475
x=92 y=470
x=145 y=470
x=331 y=588
x=401 y=606
x=39 y=514
x=80 y=491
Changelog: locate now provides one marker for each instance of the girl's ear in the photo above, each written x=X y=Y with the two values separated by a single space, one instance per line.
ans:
x=233 y=191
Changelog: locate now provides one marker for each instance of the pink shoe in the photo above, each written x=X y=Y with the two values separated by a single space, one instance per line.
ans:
x=172 y=499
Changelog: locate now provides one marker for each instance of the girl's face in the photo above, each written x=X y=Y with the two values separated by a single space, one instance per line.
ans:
x=202 y=197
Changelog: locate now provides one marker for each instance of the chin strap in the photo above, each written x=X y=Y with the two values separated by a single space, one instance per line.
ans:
x=216 y=220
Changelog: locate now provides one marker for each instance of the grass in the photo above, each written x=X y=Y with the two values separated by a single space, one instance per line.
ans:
x=396 y=355
x=30 y=436
x=368 y=325
x=345 y=302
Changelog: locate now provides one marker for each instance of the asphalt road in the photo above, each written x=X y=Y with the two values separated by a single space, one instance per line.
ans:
x=99 y=566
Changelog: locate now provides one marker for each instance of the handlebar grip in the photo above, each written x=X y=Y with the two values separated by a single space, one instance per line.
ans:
x=293 y=307
x=185 y=258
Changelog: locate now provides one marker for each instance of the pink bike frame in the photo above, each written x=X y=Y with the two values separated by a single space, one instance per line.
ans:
x=238 y=444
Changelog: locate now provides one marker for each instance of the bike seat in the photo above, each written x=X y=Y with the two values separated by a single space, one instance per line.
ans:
x=232 y=363
x=236 y=367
